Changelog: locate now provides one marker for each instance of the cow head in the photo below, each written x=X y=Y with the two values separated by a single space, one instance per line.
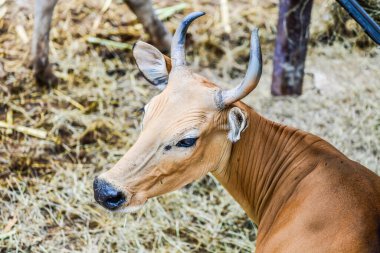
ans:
x=187 y=130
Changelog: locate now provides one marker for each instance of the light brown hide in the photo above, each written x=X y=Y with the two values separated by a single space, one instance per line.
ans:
x=304 y=195
x=148 y=170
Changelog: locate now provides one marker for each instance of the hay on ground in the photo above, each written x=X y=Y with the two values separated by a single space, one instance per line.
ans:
x=92 y=117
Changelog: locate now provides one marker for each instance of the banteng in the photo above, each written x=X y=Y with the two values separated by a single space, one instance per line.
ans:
x=304 y=194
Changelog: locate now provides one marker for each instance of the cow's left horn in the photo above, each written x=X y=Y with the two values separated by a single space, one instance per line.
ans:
x=251 y=79
x=178 y=42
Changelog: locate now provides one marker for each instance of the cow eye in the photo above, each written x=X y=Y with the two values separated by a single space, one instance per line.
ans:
x=186 y=143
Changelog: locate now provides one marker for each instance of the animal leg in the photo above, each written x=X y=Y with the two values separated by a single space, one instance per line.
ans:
x=43 y=12
x=152 y=25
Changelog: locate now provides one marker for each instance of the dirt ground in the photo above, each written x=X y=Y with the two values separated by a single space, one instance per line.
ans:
x=85 y=124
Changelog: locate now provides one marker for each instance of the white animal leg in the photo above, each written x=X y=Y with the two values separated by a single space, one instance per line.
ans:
x=43 y=12
x=161 y=38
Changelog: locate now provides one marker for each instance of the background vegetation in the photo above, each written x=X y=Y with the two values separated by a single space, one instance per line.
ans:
x=63 y=136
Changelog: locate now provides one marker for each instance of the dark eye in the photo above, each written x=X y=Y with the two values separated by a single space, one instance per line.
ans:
x=186 y=143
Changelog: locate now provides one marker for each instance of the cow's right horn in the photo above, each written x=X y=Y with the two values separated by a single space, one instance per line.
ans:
x=251 y=79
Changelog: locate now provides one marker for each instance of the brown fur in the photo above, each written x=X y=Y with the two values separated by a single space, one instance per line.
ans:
x=304 y=195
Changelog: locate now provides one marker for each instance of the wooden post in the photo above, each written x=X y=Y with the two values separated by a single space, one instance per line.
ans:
x=291 y=46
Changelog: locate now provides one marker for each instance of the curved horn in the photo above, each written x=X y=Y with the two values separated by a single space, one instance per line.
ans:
x=178 y=42
x=251 y=79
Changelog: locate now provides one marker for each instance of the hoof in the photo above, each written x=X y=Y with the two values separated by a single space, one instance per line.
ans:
x=46 y=77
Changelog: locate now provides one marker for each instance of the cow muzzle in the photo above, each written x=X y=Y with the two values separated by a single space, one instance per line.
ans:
x=107 y=195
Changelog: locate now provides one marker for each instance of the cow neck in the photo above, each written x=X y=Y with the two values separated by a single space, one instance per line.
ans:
x=266 y=165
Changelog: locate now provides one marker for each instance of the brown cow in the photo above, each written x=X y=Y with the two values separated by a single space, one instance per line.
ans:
x=304 y=194
x=43 y=12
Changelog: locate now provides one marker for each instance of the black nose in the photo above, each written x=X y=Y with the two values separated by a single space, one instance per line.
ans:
x=106 y=195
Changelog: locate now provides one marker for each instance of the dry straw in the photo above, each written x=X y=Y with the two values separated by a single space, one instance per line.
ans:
x=54 y=141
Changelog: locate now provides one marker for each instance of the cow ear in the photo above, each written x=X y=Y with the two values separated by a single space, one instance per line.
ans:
x=237 y=121
x=152 y=63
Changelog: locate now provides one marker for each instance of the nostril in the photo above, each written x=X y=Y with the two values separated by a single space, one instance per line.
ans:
x=107 y=195
x=113 y=202
x=115 y=199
